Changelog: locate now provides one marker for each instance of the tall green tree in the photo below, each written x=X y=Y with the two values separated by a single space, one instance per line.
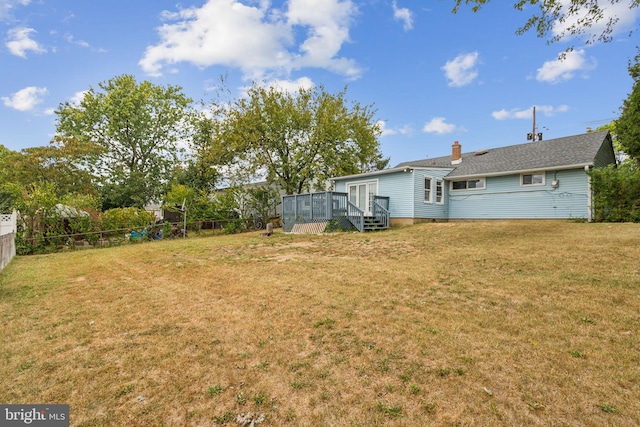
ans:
x=3 y=151
x=130 y=136
x=198 y=170
x=563 y=18
x=616 y=193
x=21 y=172
x=48 y=164
x=294 y=140
x=628 y=124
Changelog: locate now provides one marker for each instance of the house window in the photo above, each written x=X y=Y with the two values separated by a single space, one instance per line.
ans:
x=532 y=179
x=439 y=191
x=469 y=184
x=427 y=190
x=459 y=185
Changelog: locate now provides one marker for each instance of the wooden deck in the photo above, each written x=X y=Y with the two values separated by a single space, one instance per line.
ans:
x=330 y=206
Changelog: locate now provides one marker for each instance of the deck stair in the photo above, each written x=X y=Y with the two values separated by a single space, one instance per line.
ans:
x=371 y=223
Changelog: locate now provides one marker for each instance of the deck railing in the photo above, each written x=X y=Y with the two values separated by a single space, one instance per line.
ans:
x=328 y=206
x=355 y=216
x=312 y=207
x=381 y=211
x=382 y=201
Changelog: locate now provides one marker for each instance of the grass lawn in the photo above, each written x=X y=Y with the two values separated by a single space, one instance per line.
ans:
x=448 y=324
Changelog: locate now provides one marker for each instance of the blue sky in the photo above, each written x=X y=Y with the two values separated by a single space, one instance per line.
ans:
x=434 y=77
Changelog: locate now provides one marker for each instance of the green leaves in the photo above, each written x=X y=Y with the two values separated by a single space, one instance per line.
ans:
x=628 y=125
x=294 y=140
x=131 y=134
x=562 y=18
x=616 y=193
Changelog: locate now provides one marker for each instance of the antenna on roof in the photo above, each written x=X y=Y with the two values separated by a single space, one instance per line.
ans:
x=534 y=136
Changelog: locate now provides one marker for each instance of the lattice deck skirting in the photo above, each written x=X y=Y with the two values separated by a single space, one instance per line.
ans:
x=309 y=228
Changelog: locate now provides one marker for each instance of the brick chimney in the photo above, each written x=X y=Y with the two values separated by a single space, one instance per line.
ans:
x=456 y=153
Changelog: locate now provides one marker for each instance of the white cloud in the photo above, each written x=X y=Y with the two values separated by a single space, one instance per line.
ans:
x=438 y=125
x=25 y=99
x=77 y=98
x=621 y=13
x=384 y=130
x=404 y=130
x=20 y=42
x=564 y=67
x=69 y=38
x=292 y=86
x=7 y=5
x=223 y=32
x=461 y=70
x=546 y=110
x=327 y=23
x=256 y=39
x=403 y=14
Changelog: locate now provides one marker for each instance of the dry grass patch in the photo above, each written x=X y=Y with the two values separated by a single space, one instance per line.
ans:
x=501 y=323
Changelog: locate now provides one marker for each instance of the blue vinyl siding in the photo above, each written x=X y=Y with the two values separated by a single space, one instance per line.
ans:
x=505 y=198
x=397 y=186
x=431 y=210
x=406 y=192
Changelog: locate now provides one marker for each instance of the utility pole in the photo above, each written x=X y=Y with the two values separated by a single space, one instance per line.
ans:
x=534 y=136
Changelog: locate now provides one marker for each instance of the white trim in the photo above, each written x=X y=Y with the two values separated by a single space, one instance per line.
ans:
x=368 y=194
x=424 y=189
x=533 y=184
x=589 y=196
x=406 y=169
x=483 y=179
x=441 y=181
x=363 y=181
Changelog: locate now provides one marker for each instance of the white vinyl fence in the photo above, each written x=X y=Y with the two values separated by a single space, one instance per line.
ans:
x=7 y=238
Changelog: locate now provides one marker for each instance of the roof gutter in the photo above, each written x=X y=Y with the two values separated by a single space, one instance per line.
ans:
x=514 y=172
x=385 y=172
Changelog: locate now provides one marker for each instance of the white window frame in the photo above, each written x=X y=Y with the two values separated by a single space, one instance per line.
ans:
x=532 y=175
x=369 y=197
x=429 y=190
x=466 y=181
x=440 y=185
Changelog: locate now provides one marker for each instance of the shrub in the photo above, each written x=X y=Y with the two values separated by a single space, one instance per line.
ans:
x=126 y=218
x=616 y=193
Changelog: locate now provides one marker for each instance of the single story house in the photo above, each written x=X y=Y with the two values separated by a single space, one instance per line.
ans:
x=543 y=179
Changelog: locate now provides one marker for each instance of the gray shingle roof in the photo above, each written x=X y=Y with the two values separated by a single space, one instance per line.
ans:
x=547 y=154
